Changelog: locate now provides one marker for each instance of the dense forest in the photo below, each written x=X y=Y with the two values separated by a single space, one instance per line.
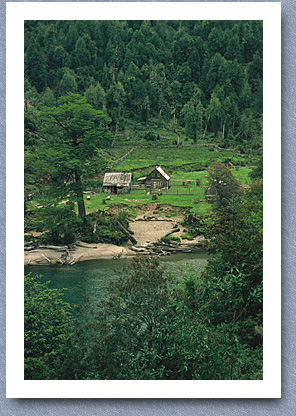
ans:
x=201 y=77
x=188 y=94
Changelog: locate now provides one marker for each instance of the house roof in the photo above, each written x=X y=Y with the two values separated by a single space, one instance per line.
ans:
x=117 y=179
x=163 y=173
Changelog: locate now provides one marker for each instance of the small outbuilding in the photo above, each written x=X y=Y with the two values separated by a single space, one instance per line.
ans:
x=117 y=182
x=157 y=179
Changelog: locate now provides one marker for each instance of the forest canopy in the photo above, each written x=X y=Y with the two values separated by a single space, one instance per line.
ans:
x=204 y=77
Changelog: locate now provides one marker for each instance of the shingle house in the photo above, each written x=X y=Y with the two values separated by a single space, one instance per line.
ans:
x=157 y=179
x=117 y=182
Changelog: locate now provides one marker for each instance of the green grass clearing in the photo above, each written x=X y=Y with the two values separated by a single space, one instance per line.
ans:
x=187 y=158
x=192 y=196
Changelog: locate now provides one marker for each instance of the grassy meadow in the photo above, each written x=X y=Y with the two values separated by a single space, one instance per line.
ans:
x=187 y=166
x=189 y=158
x=192 y=195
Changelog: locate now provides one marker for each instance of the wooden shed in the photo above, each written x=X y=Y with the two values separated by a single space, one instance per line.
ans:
x=117 y=182
x=157 y=179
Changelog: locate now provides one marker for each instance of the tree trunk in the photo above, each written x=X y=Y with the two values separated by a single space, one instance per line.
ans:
x=223 y=131
x=206 y=128
x=115 y=134
x=79 y=194
x=178 y=135
x=128 y=234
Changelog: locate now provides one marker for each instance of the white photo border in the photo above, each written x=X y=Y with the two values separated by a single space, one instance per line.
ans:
x=270 y=386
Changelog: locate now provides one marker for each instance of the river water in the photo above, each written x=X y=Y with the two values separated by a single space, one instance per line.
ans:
x=92 y=277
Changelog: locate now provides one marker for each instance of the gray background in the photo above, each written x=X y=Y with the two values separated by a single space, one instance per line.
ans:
x=209 y=407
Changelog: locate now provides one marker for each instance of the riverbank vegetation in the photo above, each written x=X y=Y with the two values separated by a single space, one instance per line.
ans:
x=154 y=327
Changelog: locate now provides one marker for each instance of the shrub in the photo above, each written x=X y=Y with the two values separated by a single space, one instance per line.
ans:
x=151 y=136
x=170 y=239
x=48 y=328
x=106 y=228
x=59 y=223
x=224 y=188
x=187 y=236
x=129 y=326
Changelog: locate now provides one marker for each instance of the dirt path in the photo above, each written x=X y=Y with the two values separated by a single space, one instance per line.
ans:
x=150 y=231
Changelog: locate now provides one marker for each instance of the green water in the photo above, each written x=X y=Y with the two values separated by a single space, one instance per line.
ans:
x=92 y=278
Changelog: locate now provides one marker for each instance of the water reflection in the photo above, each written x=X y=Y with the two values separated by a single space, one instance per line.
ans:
x=93 y=277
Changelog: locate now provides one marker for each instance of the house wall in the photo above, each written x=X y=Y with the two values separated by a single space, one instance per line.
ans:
x=107 y=189
x=119 y=190
x=156 y=181
x=123 y=190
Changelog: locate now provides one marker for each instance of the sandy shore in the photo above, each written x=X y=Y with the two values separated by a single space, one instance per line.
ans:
x=144 y=232
x=44 y=256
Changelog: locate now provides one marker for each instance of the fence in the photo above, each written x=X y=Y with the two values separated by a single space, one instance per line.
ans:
x=121 y=158
x=174 y=190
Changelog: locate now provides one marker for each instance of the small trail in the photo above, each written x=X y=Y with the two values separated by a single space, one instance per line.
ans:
x=121 y=158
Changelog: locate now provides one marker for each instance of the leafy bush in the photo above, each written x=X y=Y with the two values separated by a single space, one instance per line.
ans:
x=106 y=228
x=128 y=327
x=187 y=236
x=48 y=328
x=150 y=328
x=59 y=224
x=170 y=239
x=197 y=225
x=151 y=136
x=224 y=188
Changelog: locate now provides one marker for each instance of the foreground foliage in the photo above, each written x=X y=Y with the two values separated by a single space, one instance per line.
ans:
x=155 y=327
x=48 y=328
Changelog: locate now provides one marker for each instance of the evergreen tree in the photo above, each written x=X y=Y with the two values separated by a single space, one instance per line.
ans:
x=74 y=131
x=82 y=55
x=35 y=65
x=115 y=98
x=96 y=97
x=159 y=64
x=67 y=83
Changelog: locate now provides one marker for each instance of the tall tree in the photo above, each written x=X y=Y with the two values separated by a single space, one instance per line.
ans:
x=115 y=98
x=35 y=65
x=68 y=82
x=96 y=96
x=82 y=55
x=193 y=119
x=73 y=132
x=225 y=189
